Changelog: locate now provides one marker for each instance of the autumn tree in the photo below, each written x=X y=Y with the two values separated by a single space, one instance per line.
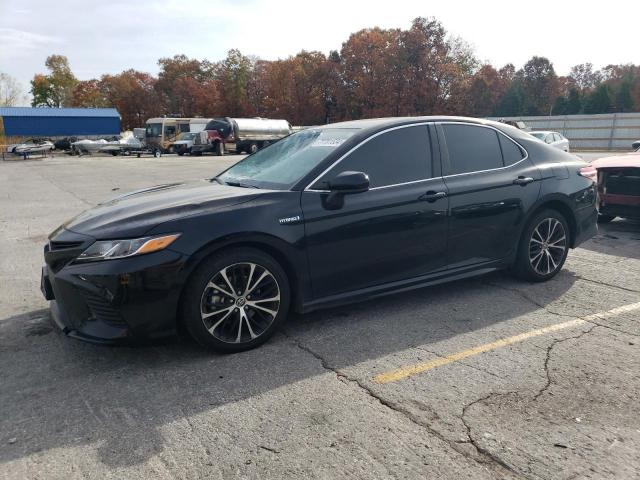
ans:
x=233 y=75
x=371 y=67
x=88 y=94
x=539 y=86
x=297 y=88
x=584 y=77
x=426 y=48
x=259 y=86
x=56 y=88
x=10 y=91
x=186 y=86
x=134 y=95
x=485 y=89
x=377 y=72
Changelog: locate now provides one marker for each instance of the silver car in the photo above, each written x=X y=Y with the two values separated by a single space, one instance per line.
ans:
x=552 y=138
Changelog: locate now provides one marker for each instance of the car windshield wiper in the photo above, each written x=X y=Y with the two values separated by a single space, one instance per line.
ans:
x=233 y=183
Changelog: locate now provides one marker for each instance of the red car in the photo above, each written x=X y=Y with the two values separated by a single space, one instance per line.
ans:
x=618 y=186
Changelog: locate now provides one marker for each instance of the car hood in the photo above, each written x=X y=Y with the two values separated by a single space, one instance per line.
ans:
x=135 y=213
x=618 y=161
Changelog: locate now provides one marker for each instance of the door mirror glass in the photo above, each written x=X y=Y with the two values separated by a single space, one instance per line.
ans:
x=349 y=182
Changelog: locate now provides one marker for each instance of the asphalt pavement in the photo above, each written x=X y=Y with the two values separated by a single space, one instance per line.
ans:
x=482 y=378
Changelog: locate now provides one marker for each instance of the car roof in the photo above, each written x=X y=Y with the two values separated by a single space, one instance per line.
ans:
x=390 y=122
x=544 y=131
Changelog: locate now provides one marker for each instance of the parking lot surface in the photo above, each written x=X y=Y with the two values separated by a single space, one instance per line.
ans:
x=483 y=378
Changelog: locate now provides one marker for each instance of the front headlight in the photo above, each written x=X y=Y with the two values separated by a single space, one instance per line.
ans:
x=112 y=249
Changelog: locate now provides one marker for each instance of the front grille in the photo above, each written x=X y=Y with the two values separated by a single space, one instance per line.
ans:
x=103 y=311
x=64 y=245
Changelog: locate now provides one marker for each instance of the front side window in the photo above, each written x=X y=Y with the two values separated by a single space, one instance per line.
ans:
x=472 y=148
x=549 y=138
x=154 y=130
x=187 y=136
x=282 y=164
x=397 y=156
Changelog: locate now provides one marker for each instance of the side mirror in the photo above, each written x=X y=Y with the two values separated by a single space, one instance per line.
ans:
x=349 y=182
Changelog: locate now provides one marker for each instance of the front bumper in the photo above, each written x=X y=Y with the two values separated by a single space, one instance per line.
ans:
x=116 y=301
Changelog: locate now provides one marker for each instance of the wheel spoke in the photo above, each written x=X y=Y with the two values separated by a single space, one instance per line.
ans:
x=215 y=286
x=252 y=269
x=223 y=273
x=263 y=300
x=240 y=322
x=273 y=313
x=537 y=232
x=243 y=315
x=539 y=261
x=557 y=241
x=533 y=259
x=551 y=231
x=251 y=289
x=552 y=261
x=206 y=315
x=215 y=325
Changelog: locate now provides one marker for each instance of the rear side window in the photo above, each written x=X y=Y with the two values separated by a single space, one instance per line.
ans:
x=472 y=148
x=511 y=153
x=398 y=156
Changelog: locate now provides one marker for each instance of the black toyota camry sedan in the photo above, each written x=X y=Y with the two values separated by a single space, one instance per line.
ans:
x=333 y=214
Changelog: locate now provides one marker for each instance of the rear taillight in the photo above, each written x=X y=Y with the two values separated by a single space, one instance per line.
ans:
x=589 y=172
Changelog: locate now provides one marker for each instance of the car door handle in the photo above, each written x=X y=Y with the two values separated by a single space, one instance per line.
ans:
x=522 y=181
x=432 y=196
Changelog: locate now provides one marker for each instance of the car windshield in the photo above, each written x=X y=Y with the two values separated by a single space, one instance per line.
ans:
x=154 y=129
x=284 y=163
x=539 y=135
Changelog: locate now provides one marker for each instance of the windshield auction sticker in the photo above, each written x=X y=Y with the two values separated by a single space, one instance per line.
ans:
x=331 y=139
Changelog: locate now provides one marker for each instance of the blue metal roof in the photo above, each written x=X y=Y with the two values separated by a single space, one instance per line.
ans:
x=57 y=112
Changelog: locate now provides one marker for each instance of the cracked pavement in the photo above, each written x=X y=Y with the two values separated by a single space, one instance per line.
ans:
x=555 y=406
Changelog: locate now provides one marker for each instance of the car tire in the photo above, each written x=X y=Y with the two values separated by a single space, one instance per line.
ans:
x=543 y=247
x=219 y=149
x=233 y=321
x=605 y=218
x=252 y=148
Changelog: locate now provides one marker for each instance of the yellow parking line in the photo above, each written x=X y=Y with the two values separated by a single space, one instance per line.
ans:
x=404 y=372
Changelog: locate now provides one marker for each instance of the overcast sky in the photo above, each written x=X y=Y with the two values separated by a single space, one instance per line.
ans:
x=114 y=35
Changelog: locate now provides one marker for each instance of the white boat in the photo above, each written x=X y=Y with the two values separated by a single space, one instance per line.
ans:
x=103 y=146
x=29 y=148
